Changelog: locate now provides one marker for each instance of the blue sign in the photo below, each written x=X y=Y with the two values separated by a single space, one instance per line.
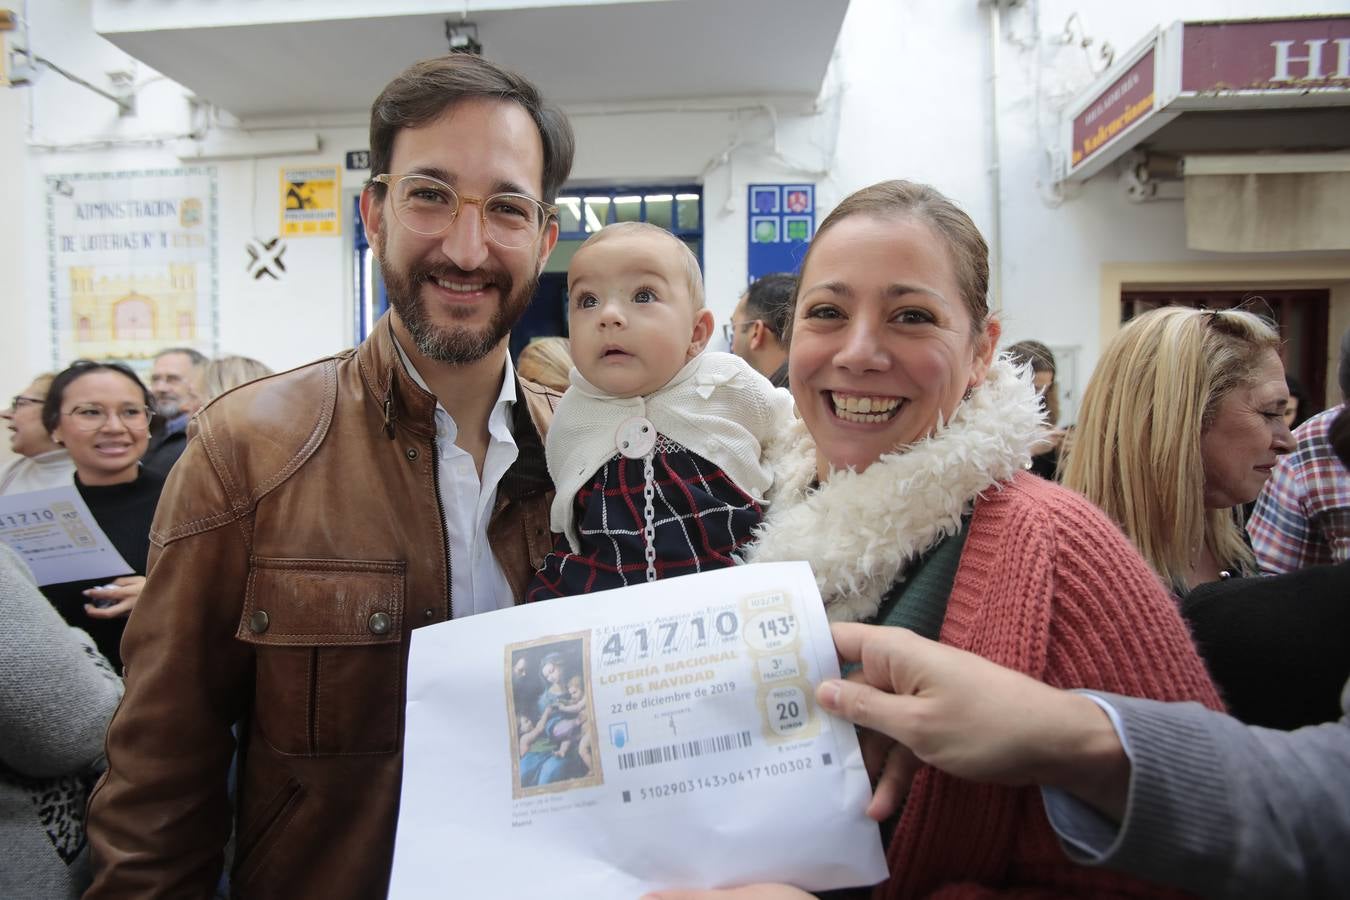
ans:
x=781 y=223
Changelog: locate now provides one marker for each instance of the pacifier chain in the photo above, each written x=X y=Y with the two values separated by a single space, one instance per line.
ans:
x=635 y=438
x=648 y=513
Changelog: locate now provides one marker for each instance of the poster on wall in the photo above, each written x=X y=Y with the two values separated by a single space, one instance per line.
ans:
x=132 y=262
x=310 y=202
x=782 y=220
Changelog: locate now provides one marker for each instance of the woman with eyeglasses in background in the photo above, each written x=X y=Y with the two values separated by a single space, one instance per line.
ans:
x=41 y=462
x=100 y=412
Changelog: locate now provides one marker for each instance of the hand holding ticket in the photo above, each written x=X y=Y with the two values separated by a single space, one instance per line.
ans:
x=55 y=533
x=659 y=736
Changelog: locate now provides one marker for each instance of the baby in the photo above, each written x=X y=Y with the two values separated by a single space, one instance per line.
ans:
x=657 y=448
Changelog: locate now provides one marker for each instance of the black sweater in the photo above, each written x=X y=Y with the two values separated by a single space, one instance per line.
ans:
x=1278 y=646
x=124 y=512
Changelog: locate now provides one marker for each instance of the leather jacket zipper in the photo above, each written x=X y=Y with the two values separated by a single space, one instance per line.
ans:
x=445 y=534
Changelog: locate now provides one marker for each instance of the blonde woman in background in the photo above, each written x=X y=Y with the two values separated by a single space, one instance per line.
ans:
x=1181 y=422
x=228 y=372
x=546 y=361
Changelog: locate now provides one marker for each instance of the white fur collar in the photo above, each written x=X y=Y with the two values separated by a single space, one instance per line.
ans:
x=859 y=530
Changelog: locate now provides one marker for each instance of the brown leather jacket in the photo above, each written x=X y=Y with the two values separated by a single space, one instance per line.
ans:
x=298 y=542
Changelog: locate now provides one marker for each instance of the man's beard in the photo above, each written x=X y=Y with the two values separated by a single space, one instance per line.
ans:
x=454 y=345
x=168 y=408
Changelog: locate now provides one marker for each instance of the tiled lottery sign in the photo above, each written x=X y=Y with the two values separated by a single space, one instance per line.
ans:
x=781 y=222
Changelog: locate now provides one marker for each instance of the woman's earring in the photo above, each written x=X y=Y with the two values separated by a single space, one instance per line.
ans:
x=969 y=391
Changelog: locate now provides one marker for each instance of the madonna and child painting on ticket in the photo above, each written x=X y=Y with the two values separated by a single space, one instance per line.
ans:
x=552 y=718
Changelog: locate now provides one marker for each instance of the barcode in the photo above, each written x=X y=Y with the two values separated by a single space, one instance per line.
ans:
x=672 y=752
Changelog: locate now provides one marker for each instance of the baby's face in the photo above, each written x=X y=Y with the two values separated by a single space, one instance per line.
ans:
x=574 y=689
x=632 y=320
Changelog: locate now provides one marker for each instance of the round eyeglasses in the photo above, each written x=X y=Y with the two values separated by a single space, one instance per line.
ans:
x=428 y=206
x=19 y=401
x=92 y=418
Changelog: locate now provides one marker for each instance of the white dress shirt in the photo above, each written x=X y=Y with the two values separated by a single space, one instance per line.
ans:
x=477 y=582
x=1078 y=824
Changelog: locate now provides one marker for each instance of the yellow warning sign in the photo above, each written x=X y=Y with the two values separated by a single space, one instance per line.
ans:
x=310 y=202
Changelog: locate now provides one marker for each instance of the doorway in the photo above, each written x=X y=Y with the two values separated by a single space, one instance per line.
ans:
x=584 y=211
x=1301 y=316
x=1246 y=277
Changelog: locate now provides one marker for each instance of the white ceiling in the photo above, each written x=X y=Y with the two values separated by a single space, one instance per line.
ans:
x=585 y=53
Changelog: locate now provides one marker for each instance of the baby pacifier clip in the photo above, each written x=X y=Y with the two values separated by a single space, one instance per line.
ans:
x=635 y=438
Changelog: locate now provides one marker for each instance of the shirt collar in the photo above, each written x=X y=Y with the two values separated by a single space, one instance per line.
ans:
x=177 y=423
x=499 y=420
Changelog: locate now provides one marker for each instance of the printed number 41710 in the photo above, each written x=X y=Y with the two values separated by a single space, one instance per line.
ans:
x=671 y=635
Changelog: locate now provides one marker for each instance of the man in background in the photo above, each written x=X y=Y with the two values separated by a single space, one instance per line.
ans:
x=171 y=381
x=1302 y=517
x=758 y=324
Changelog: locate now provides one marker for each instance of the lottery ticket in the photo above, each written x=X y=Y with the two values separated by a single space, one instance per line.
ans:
x=659 y=736
x=55 y=533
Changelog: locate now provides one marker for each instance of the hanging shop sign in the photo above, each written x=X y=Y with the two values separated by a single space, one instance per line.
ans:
x=310 y=202
x=1247 y=64
x=782 y=221
x=1127 y=102
x=1266 y=56
x=132 y=263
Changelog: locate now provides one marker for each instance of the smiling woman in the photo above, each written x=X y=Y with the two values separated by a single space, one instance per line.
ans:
x=100 y=412
x=904 y=485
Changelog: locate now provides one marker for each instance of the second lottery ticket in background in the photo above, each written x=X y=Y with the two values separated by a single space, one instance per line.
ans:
x=664 y=735
x=55 y=533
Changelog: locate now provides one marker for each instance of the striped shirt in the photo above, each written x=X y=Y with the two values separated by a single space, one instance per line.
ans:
x=1302 y=517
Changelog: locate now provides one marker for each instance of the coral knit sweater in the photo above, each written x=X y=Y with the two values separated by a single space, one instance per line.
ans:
x=1046 y=585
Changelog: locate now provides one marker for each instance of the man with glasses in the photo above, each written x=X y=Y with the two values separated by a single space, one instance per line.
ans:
x=758 y=325
x=320 y=515
x=1302 y=517
x=173 y=381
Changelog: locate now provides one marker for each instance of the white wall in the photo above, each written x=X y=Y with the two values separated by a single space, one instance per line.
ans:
x=283 y=323
x=907 y=95
x=22 y=311
x=22 y=315
x=1053 y=251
